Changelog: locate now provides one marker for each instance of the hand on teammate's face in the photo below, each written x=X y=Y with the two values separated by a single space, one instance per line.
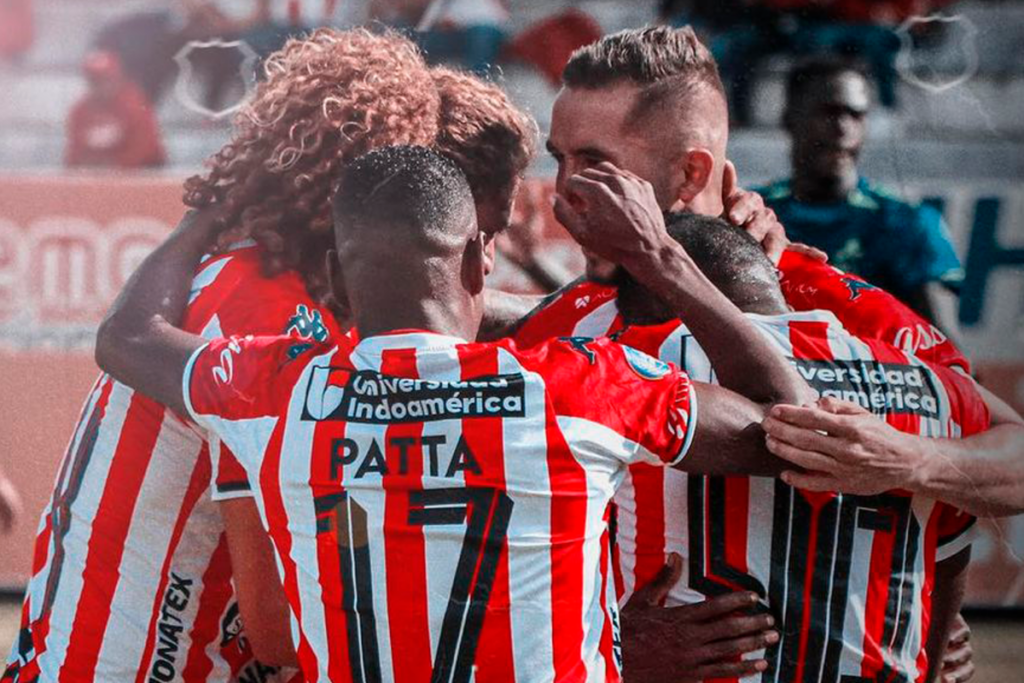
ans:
x=613 y=214
x=693 y=642
x=958 y=660
x=841 y=447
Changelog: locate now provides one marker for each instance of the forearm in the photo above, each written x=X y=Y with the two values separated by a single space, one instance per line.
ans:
x=982 y=474
x=137 y=342
x=760 y=373
x=503 y=312
x=950 y=586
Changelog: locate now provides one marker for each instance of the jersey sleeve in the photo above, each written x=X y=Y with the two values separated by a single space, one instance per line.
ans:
x=618 y=401
x=864 y=310
x=230 y=480
x=956 y=531
x=237 y=388
x=558 y=314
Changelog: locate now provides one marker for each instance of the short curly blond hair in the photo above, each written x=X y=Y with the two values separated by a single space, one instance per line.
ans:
x=482 y=131
x=327 y=99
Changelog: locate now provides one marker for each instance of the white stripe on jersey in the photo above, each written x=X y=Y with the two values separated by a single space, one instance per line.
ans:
x=597 y=322
x=76 y=542
x=529 y=566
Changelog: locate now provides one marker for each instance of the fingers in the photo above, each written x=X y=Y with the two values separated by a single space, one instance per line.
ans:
x=658 y=589
x=811 y=482
x=741 y=646
x=960 y=674
x=775 y=242
x=961 y=631
x=737 y=669
x=733 y=627
x=570 y=218
x=810 y=460
x=807 y=439
x=742 y=210
x=809 y=251
x=957 y=657
x=812 y=418
x=730 y=181
x=837 y=407
x=714 y=608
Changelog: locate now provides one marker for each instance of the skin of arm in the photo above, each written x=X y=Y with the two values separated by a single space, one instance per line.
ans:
x=948 y=595
x=845 y=448
x=137 y=342
x=260 y=594
x=615 y=214
x=503 y=312
x=934 y=302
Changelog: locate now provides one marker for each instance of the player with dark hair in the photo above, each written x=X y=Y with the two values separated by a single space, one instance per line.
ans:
x=901 y=247
x=371 y=457
x=130 y=529
x=851 y=598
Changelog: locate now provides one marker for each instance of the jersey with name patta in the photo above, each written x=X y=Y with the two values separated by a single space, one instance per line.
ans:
x=589 y=309
x=848 y=578
x=439 y=508
x=131 y=579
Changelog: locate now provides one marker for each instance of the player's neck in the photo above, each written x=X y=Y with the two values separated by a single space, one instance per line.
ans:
x=453 y=319
x=815 y=189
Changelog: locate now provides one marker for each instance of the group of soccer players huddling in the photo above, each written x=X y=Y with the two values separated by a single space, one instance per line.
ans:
x=323 y=450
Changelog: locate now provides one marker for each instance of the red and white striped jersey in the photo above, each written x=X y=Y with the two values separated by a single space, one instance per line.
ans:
x=848 y=578
x=439 y=508
x=131 y=579
x=587 y=309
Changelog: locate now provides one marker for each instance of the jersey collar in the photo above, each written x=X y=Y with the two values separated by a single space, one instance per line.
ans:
x=420 y=340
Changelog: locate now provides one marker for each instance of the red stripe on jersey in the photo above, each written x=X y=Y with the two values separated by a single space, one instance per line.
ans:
x=875 y=600
x=212 y=603
x=568 y=527
x=328 y=550
x=494 y=654
x=408 y=613
x=737 y=518
x=810 y=340
x=107 y=541
x=649 y=495
x=197 y=485
x=269 y=478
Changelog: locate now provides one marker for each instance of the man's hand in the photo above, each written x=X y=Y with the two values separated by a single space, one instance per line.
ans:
x=843 y=448
x=614 y=214
x=746 y=209
x=693 y=642
x=10 y=504
x=958 y=661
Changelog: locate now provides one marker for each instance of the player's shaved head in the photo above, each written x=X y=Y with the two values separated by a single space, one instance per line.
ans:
x=730 y=258
x=407 y=237
x=676 y=75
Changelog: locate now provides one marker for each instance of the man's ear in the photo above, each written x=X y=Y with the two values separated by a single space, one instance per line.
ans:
x=337 y=284
x=474 y=269
x=490 y=252
x=694 y=172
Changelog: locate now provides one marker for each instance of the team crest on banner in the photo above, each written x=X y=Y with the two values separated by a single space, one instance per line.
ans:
x=186 y=83
x=918 y=67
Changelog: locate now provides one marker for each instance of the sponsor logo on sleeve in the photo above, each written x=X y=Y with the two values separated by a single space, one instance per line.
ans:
x=645 y=366
x=368 y=397
x=882 y=388
x=307 y=324
x=856 y=287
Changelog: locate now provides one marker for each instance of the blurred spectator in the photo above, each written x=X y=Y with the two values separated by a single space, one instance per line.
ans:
x=16 y=28
x=10 y=504
x=466 y=33
x=901 y=247
x=113 y=125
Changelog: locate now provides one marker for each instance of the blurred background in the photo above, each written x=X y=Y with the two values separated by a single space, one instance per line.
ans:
x=105 y=107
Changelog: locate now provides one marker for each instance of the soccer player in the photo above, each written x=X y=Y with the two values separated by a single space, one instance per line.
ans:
x=901 y=247
x=439 y=507
x=858 y=583
x=132 y=575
